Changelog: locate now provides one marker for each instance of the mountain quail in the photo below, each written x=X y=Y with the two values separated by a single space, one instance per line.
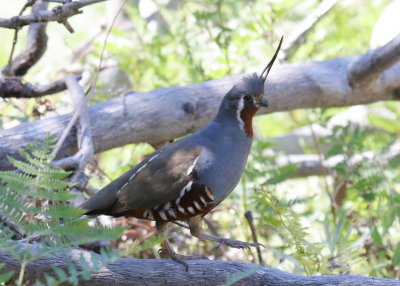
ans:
x=184 y=180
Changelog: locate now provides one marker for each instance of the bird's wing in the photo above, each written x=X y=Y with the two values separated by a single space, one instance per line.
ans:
x=157 y=180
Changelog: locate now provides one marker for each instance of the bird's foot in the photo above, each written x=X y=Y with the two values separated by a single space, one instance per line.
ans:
x=238 y=244
x=179 y=257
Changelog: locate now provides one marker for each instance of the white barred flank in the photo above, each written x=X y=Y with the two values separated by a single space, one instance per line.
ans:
x=196 y=204
x=162 y=215
x=203 y=200
x=172 y=213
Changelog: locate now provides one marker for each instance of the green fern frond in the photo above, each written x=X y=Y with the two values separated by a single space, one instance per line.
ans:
x=32 y=160
x=64 y=211
x=34 y=198
x=288 y=225
x=46 y=170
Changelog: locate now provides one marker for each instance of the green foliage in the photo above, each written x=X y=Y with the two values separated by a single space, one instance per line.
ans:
x=5 y=277
x=35 y=199
x=287 y=224
x=305 y=226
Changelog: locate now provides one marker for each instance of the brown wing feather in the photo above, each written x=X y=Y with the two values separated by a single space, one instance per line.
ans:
x=156 y=182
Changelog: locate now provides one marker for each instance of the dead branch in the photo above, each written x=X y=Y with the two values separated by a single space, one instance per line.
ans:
x=297 y=37
x=84 y=134
x=167 y=113
x=126 y=271
x=35 y=47
x=14 y=87
x=366 y=69
x=59 y=14
x=19 y=233
x=310 y=165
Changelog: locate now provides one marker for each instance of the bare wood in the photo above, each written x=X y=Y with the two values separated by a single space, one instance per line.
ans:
x=60 y=14
x=36 y=46
x=84 y=137
x=365 y=69
x=297 y=37
x=19 y=233
x=167 y=113
x=14 y=87
x=310 y=165
x=126 y=271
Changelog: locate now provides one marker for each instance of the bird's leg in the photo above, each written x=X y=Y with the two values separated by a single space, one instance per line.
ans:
x=196 y=230
x=171 y=253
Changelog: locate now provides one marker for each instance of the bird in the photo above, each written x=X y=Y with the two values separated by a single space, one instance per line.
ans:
x=186 y=179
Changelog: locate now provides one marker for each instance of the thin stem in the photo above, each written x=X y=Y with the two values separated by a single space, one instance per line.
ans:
x=21 y=273
x=15 y=39
x=324 y=170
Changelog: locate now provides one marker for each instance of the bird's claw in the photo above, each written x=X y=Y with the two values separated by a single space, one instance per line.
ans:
x=180 y=258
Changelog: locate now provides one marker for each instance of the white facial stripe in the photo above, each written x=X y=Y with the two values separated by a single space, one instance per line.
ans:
x=238 y=111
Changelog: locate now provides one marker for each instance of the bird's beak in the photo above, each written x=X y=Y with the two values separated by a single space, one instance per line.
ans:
x=263 y=102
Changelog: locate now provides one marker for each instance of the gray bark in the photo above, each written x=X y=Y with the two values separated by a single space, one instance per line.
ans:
x=167 y=113
x=126 y=271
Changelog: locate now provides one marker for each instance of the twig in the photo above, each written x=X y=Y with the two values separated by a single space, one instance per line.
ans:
x=249 y=217
x=59 y=14
x=19 y=232
x=15 y=38
x=297 y=37
x=14 y=88
x=89 y=93
x=84 y=136
x=71 y=123
x=324 y=170
x=35 y=47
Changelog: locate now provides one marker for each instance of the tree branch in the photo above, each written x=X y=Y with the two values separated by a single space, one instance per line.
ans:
x=366 y=69
x=167 y=113
x=60 y=14
x=310 y=165
x=35 y=47
x=13 y=87
x=84 y=137
x=296 y=38
x=126 y=271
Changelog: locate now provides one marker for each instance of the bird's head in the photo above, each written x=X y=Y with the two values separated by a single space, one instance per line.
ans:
x=246 y=97
x=250 y=91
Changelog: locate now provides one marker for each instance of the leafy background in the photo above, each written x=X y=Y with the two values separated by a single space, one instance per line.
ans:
x=345 y=221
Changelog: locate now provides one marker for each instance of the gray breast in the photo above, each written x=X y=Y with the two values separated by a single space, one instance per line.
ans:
x=222 y=160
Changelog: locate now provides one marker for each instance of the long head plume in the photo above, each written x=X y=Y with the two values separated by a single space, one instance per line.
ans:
x=265 y=72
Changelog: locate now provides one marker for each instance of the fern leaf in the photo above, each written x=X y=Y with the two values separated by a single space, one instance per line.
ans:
x=64 y=211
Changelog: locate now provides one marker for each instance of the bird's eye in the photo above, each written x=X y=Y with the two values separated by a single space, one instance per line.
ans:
x=248 y=98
